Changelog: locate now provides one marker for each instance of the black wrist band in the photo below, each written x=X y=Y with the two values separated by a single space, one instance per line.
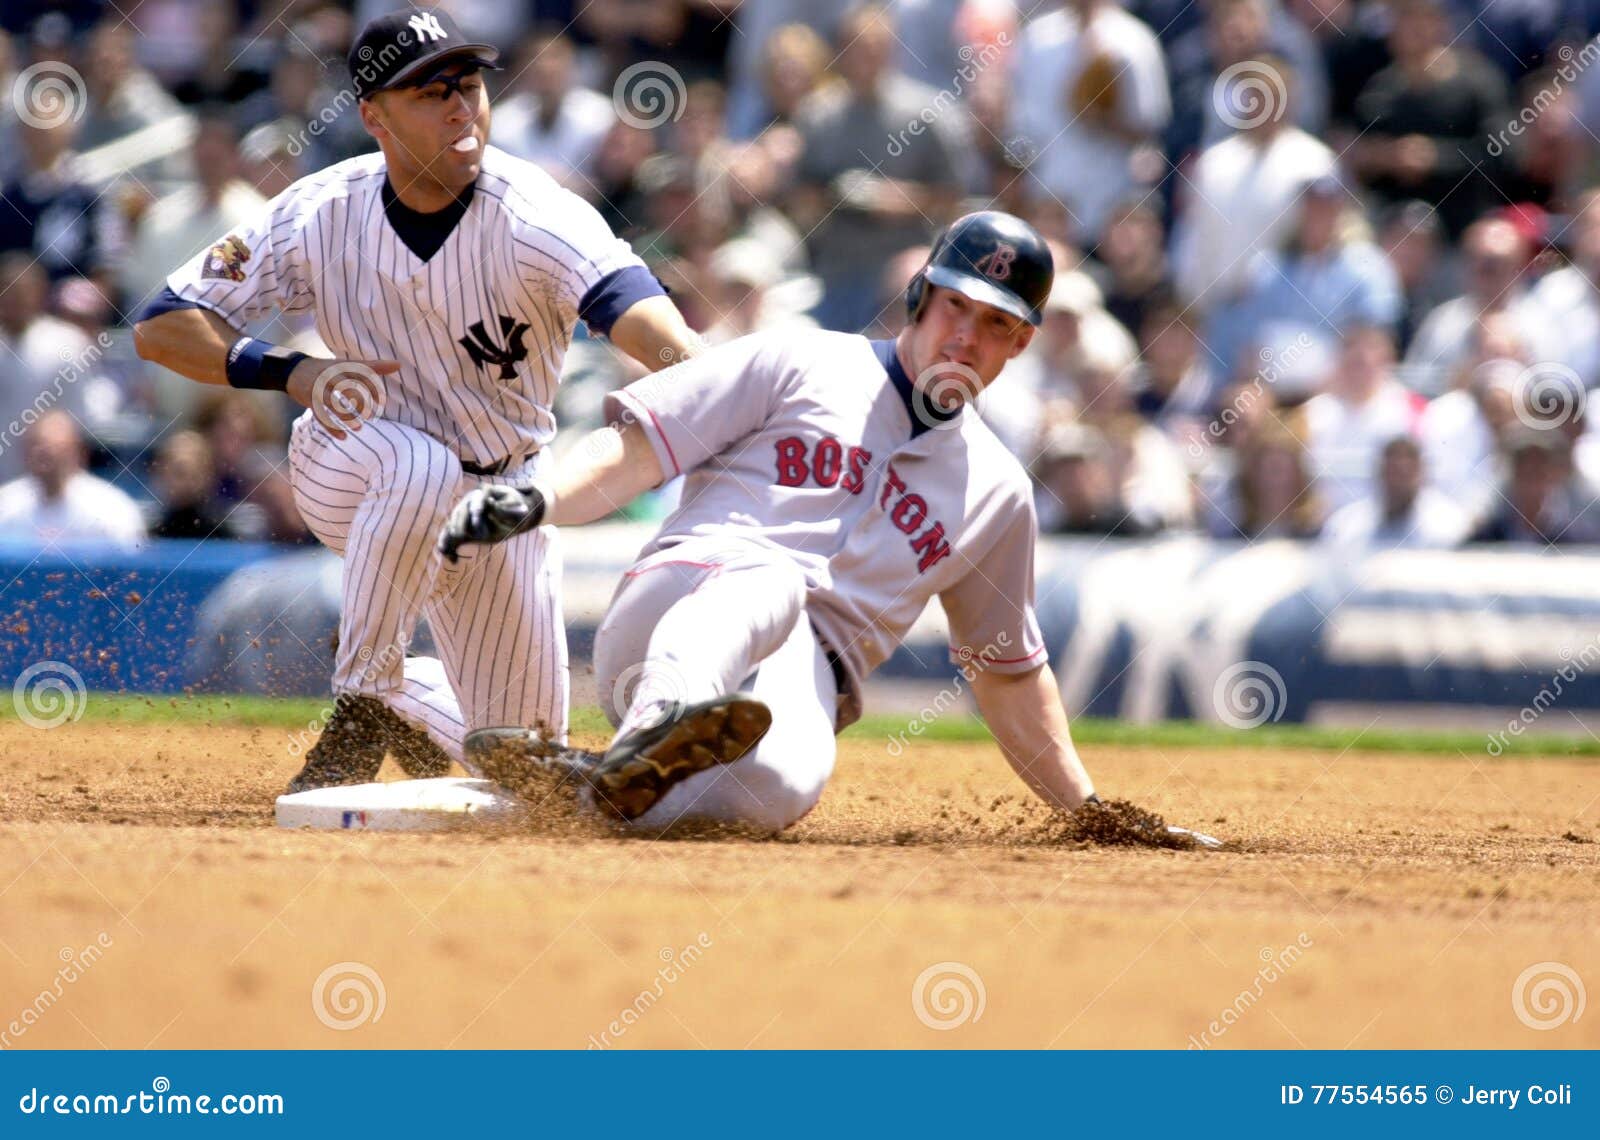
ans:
x=259 y=365
x=1092 y=798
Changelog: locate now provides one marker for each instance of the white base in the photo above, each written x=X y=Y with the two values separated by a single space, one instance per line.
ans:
x=442 y=804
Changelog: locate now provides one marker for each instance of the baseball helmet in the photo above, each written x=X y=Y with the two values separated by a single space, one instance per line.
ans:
x=991 y=257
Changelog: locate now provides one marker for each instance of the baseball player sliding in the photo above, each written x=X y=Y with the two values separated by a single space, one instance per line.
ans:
x=833 y=486
x=447 y=278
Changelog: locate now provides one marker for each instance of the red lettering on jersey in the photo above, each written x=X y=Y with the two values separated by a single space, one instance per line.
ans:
x=857 y=478
x=892 y=482
x=931 y=546
x=910 y=513
x=792 y=470
x=825 y=461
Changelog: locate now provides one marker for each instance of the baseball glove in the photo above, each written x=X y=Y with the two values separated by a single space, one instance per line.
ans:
x=489 y=515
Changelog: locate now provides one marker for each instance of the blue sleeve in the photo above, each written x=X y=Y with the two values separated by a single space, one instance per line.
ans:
x=167 y=301
x=616 y=293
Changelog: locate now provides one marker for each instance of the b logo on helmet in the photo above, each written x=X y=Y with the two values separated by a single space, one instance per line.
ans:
x=996 y=265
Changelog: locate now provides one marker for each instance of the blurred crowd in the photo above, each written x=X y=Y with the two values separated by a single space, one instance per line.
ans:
x=1327 y=269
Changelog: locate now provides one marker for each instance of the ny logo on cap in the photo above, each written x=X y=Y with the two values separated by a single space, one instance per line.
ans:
x=426 y=24
x=996 y=264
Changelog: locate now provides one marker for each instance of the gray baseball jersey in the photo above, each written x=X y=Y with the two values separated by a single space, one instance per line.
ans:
x=807 y=442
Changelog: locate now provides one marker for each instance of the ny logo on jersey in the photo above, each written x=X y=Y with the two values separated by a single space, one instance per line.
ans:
x=485 y=352
x=426 y=24
x=996 y=264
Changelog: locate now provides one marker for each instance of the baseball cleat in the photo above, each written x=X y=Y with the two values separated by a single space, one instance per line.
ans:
x=350 y=749
x=640 y=766
x=416 y=753
x=527 y=765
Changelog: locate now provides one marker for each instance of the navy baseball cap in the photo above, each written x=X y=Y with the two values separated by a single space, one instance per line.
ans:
x=409 y=48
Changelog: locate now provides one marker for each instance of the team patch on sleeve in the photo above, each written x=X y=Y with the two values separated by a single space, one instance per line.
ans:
x=225 y=260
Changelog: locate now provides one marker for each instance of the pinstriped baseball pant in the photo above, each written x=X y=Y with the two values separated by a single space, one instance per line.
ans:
x=379 y=498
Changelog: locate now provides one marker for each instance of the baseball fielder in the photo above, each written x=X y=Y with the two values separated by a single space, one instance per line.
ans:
x=447 y=277
x=834 y=485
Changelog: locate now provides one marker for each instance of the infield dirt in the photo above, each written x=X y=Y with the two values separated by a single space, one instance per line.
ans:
x=1371 y=900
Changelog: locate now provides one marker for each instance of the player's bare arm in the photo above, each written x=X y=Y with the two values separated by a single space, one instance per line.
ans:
x=199 y=344
x=653 y=332
x=1024 y=712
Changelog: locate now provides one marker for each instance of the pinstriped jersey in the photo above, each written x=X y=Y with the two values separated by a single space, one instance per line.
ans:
x=480 y=328
x=800 y=441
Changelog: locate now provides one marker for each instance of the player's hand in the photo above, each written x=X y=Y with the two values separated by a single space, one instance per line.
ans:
x=342 y=393
x=490 y=515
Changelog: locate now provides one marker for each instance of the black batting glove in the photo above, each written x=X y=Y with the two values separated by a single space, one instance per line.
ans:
x=489 y=515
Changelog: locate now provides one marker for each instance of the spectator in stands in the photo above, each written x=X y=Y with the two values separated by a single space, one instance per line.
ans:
x=1426 y=119
x=1496 y=257
x=1460 y=431
x=1236 y=37
x=223 y=69
x=794 y=66
x=267 y=159
x=1076 y=329
x=1077 y=485
x=195 y=214
x=1299 y=300
x=1090 y=98
x=57 y=501
x=1172 y=387
x=1566 y=303
x=745 y=293
x=1273 y=494
x=1363 y=408
x=248 y=455
x=1413 y=241
x=185 y=480
x=549 y=118
x=47 y=360
x=1354 y=46
x=1135 y=261
x=123 y=96
x=868 y=184
x=1239 y=198
x=64 y=222
x=1403 y=512
x=1545 y=160
x=1530 y=507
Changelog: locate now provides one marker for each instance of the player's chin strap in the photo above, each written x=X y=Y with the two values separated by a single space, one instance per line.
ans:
x=489 y=515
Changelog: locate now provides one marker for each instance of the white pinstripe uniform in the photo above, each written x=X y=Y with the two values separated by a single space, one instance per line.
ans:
x=821 y=512
x=480 y=329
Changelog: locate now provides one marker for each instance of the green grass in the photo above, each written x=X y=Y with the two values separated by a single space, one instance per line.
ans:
x=298 y=714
